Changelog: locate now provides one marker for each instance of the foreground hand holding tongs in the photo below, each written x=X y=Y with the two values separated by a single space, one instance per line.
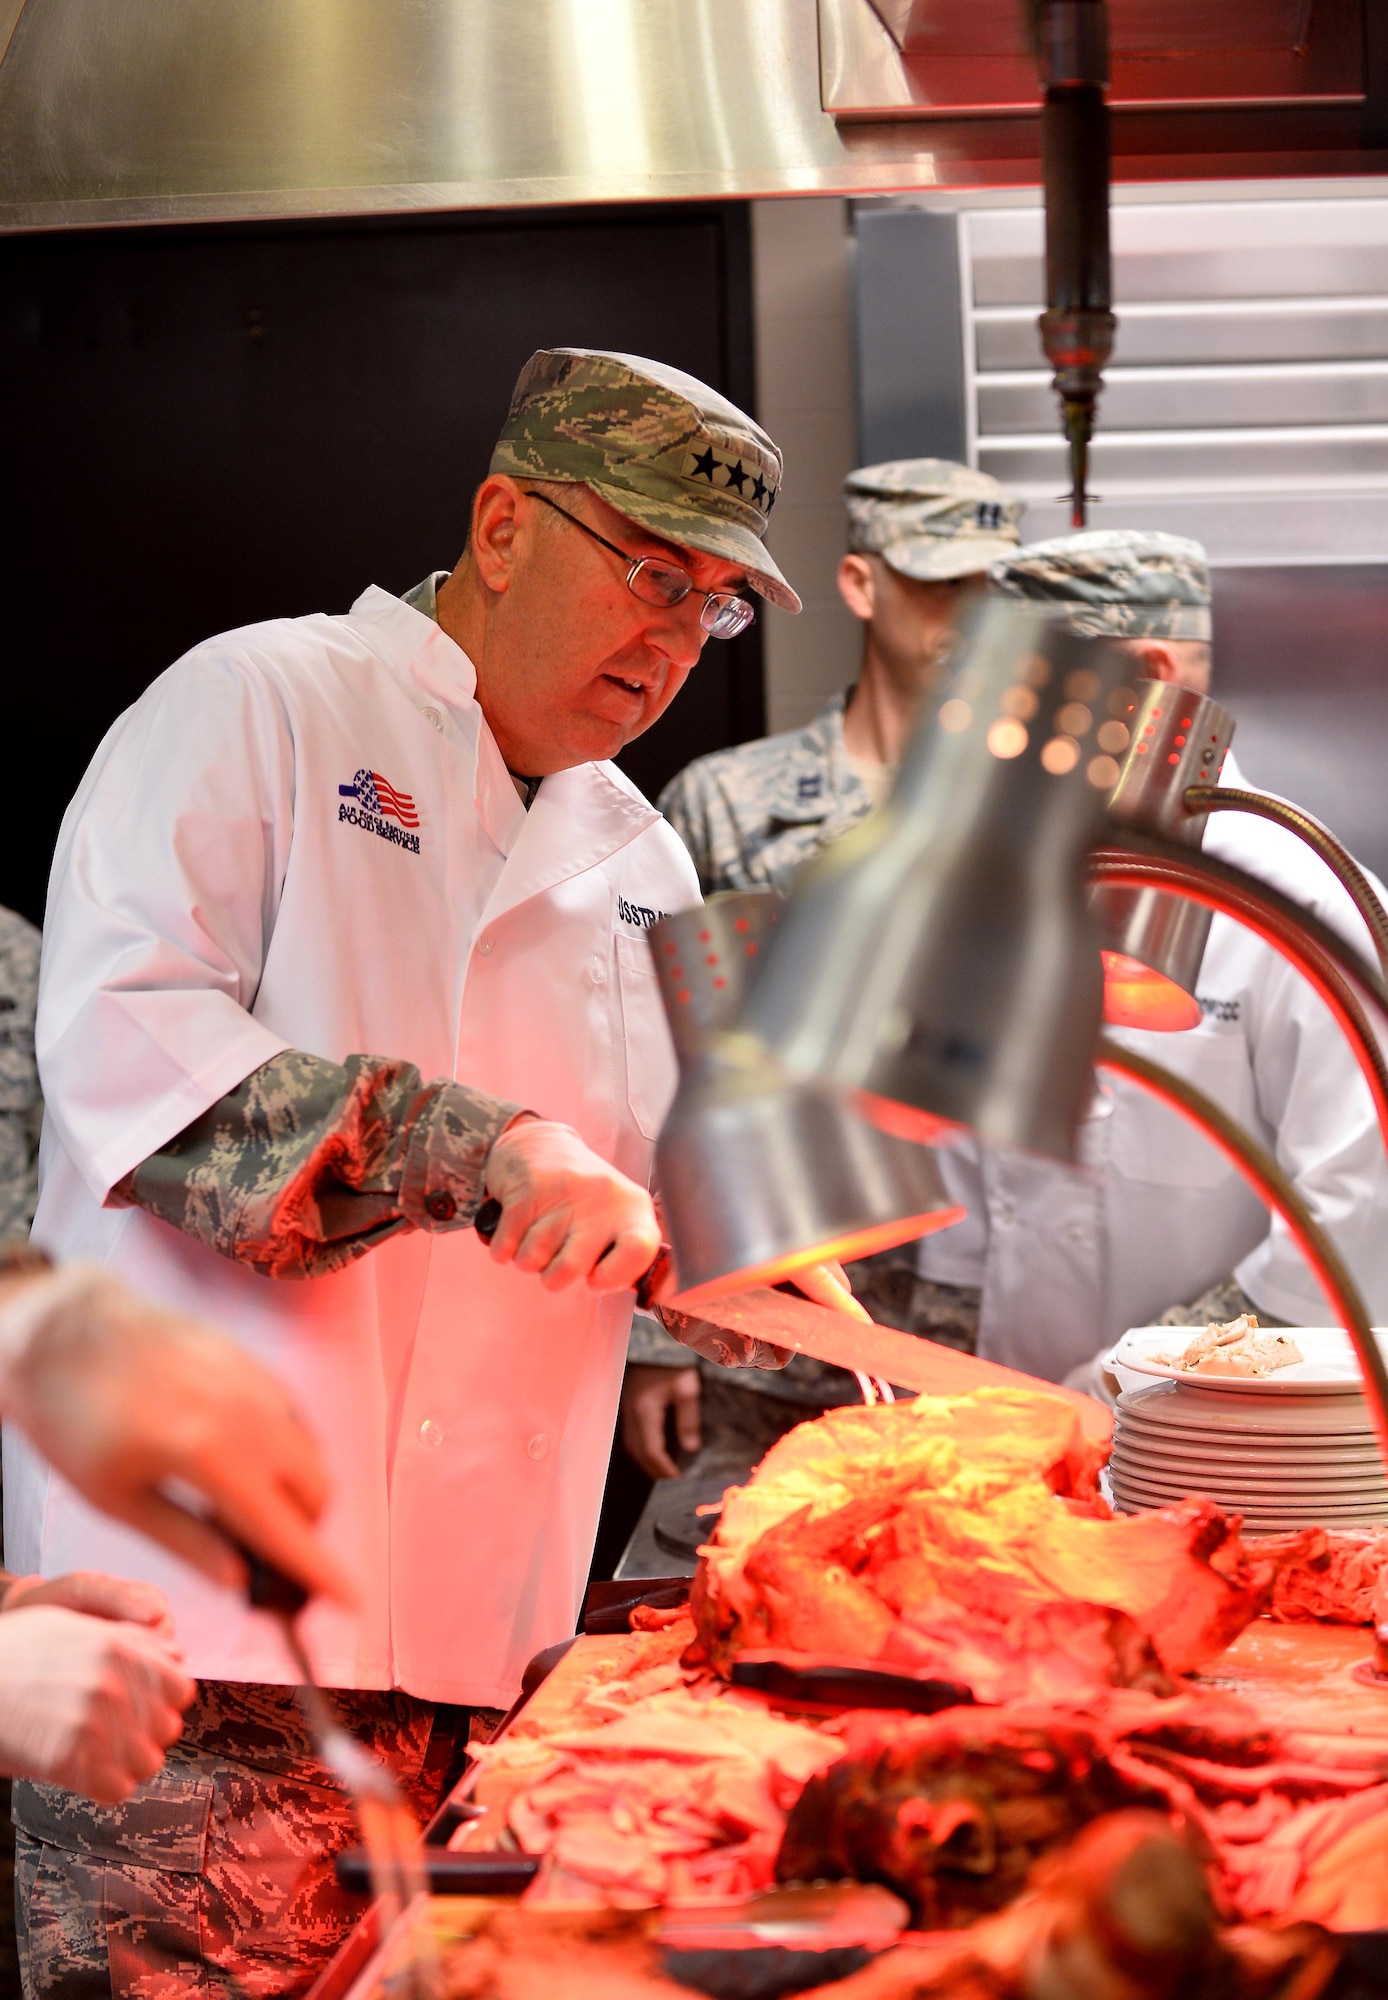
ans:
x=390 y=1832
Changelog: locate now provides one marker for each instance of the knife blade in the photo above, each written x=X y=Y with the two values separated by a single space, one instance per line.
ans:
x=750 y=1322
x=779 y=1319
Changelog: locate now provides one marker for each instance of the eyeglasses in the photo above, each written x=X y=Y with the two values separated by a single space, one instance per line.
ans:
x=656 y=581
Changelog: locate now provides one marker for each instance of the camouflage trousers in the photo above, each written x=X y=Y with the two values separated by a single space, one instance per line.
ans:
x=216 y=1878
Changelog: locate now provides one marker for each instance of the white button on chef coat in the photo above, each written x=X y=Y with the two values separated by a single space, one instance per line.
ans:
x=1159 y=1215
x=227 y=885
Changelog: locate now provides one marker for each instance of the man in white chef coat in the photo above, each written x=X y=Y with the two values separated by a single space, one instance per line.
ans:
x=319 y=863
x=1161 y=1227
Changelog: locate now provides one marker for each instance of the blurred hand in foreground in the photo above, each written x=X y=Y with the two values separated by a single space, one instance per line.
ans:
x=93 y=1592
x=124 y=1398
x=88 y=1703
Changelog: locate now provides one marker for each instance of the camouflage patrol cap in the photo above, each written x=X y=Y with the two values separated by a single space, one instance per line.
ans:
x=930 y=518
x=1117 y=583
x=662 y=448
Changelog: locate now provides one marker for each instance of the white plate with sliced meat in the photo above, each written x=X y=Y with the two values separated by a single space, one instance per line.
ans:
x=1325 y=1366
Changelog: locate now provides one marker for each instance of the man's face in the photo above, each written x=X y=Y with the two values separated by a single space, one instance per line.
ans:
x=574 y=666
x=910 y=623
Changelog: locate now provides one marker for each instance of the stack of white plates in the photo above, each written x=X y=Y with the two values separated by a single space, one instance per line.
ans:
x=1281 y=1461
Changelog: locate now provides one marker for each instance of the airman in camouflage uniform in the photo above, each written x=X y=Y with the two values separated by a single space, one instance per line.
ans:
x=1115 y=583
x=217 y=1874
x=21 y=1107
x=166 y=1895
x=922 y=531
x=752 y=815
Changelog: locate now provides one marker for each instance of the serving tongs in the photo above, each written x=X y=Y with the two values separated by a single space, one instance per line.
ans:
x=390 y=1832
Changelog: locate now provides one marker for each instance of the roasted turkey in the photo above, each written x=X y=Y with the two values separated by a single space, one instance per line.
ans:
x=964 y=1537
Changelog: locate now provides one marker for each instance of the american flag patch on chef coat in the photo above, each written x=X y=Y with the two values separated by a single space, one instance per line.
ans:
x=377 y=794
x=378 y=803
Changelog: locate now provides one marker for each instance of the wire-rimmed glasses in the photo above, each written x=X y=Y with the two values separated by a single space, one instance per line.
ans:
x=656 y=581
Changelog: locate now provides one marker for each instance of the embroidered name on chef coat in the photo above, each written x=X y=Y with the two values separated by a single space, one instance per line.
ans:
x=1217 y=1010
x=380 y=809
x=638 y=915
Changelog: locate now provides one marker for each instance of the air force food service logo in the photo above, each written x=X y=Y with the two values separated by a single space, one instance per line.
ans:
x=380 y=809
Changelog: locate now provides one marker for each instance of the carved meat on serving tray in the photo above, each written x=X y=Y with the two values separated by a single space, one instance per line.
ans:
x=964 y=1537
x=960 y=1539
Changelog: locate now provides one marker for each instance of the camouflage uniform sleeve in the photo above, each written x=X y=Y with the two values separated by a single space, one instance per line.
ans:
x=1220 y=1304
x=682 y=806
x=21 y=1106
x=309 y=1164
x=650 y=1346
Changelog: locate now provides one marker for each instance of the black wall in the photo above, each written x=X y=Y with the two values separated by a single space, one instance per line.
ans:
x=200 y=428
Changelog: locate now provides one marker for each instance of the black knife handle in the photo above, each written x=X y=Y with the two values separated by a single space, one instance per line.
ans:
x=268 y=1588
x=449 y=1873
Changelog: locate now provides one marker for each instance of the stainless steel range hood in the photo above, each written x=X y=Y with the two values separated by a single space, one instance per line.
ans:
x=177 y=109
x=118 y=111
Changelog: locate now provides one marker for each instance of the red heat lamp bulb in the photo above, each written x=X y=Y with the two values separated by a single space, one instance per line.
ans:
x=1137 y=997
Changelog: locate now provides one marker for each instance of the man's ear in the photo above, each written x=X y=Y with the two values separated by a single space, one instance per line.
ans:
x=500 y=511
x=1159 y=662
x=858 y=586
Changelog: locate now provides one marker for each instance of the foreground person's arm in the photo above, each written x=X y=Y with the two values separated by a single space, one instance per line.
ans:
x=124 y=1399
x=308 y=1164
x=90 y=1704
x=92 y=1687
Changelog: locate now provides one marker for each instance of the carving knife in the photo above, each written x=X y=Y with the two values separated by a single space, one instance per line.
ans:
x=743 y=1321
x=784 y=1320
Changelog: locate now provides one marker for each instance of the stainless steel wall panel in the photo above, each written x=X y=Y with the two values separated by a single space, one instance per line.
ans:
x=1258 y=272
x=909 y=340
x=1196 y=331
x=1249 y=530
x=1198 y=250
x=1142 y=399
x=1258 y=424
x=1208 y=461
x=1233 y=382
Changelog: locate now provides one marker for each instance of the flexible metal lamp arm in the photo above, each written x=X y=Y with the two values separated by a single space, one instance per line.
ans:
x=1334 y=969
x=1272 y=1187
x=1317 y=836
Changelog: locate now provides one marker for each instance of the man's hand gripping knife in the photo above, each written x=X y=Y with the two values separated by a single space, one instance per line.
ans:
x=309 y=1164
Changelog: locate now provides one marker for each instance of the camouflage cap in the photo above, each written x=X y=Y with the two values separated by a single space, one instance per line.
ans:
x=930 y=518
x=1118 y=583
x=662 y=448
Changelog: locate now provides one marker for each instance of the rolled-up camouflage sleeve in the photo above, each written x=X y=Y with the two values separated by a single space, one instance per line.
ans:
x=309 y=1164
x=650 y=1346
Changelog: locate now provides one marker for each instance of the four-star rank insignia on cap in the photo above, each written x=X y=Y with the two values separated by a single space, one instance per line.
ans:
x=747 y=478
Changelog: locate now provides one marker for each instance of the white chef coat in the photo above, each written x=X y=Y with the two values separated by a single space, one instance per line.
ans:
x=1068 y=1260
x=219 y=895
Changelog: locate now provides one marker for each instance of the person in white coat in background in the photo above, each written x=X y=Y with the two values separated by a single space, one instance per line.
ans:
x=1159 y=1228
x=346 y=935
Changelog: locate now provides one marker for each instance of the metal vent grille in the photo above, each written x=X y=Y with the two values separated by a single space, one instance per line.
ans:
x=1247 y=404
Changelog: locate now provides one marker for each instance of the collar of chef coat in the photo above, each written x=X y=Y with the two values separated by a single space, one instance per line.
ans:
x=579 y=817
